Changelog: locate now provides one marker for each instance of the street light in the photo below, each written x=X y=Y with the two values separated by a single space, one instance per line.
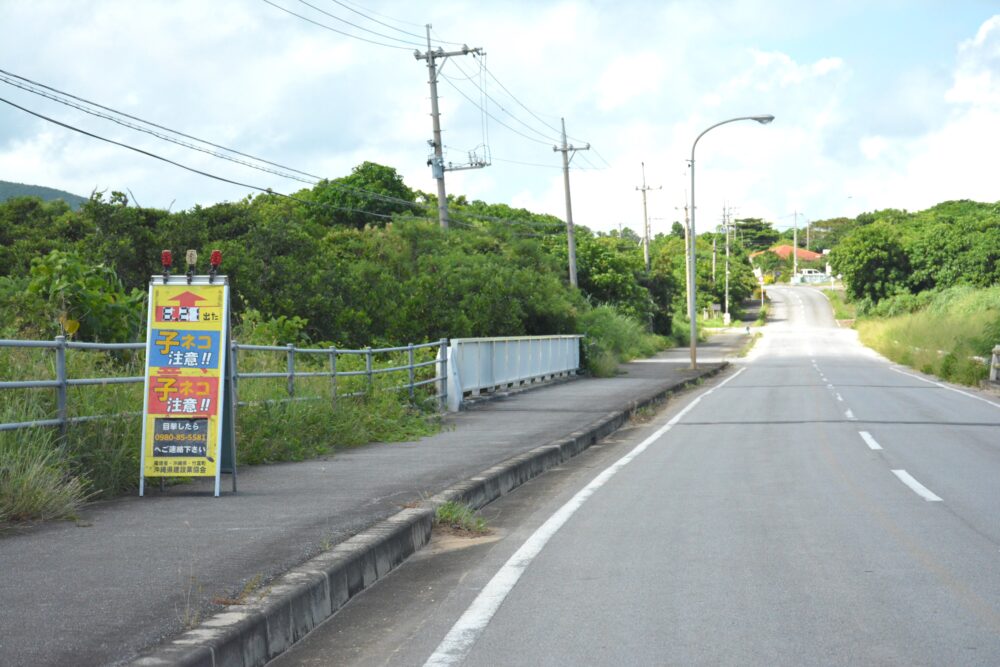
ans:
x=763 y=120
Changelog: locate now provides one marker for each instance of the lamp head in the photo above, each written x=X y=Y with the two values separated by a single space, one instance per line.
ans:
x=763 y=120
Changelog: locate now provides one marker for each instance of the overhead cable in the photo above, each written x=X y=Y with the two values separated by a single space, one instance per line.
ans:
x=355 y=25
x=192 y=169
x=340 y=32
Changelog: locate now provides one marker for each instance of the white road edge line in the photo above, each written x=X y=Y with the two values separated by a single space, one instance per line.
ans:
x=944 y=386
x=869 y=440
x=456 y=645
x=917 y=487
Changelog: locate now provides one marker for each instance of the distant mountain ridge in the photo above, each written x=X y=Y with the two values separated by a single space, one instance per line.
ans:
x=9 y=190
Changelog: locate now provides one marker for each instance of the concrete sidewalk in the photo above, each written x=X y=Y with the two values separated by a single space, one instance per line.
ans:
x=138 y=575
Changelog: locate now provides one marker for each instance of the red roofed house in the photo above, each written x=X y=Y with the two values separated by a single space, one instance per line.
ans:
x=785 y=251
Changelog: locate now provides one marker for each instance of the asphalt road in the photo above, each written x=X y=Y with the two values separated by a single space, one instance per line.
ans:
x=816 y=505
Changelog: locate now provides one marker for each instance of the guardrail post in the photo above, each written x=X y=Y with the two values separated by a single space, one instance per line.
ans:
x=61 y=409
x=412 y=378
x=234 y=369
x=442 y=384
x=368 y=366
x=291 y=369
x=333 y=371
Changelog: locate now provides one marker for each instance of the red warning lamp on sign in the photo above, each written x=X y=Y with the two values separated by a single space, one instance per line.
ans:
x=166 y=259
x=215 y=260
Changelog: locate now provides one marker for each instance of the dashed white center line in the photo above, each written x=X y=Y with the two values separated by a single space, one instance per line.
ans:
x=840 y=398
x=850 y=415
x=869 y=440
x=917 y=487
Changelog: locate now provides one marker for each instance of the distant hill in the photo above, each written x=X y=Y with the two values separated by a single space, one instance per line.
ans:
x=10 y=190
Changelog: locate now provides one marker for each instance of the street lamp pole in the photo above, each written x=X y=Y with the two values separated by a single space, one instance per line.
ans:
x=763 y=120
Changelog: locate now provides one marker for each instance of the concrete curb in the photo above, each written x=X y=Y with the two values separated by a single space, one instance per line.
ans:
x=296 y=602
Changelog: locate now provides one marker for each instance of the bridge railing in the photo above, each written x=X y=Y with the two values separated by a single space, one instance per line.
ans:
x=486 y=365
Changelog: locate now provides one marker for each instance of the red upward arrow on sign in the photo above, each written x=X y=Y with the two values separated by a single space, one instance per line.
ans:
x=187 y=299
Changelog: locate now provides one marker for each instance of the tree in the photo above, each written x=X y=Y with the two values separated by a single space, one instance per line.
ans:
x=872 y=261
x=755 y=233
x=371 y=195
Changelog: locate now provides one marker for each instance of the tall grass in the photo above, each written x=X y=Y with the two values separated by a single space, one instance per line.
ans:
x=842 y=309
x=611 y=338
x=943 y=338
x=44 y=477
x=36 y=479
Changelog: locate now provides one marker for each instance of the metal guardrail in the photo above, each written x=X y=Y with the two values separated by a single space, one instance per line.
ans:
x=484 y=365
x=62 y=381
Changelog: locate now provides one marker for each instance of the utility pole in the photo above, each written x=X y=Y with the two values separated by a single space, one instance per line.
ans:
x=436 y=161
x=567 y=156
x=795 y=246
x=687 y=253
x=645 y=217
x=725 y=223
x=713 y=258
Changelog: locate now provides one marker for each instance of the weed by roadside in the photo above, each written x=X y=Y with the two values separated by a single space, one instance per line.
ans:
x=952 y=337
x=745 y=350
x=36 y=480
x=243 y=595
x=460 y=518
x=842 y=309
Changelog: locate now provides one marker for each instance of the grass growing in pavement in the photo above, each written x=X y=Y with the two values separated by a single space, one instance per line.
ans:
x=460 y=517
x=943 y=339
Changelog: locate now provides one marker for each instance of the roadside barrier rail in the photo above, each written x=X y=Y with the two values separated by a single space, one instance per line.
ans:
x=486 y=365
x=62 y=381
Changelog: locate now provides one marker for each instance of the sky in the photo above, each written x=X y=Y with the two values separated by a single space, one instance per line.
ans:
x=877 y=103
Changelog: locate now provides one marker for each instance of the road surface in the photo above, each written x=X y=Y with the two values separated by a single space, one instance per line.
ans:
x=815 y=506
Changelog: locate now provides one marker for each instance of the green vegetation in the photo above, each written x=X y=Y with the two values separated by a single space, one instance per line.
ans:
x=461 y=518
x=842 y=309
x=9 y=190
x=891 y=253
x=923 y=285
x=944 y=337
x=762 y=316
x=36 y=483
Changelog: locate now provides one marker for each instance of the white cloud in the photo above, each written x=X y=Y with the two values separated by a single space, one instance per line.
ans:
x=638 y=82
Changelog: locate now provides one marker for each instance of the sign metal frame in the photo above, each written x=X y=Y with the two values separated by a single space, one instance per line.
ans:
x=219 y=443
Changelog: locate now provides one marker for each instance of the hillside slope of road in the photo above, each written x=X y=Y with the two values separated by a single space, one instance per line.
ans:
x=816 y=505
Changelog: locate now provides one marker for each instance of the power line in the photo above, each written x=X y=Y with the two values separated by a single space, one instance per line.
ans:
x=385 y=16
x=344 y=188
x=340 y=32
x=355 y=25
x=151 y=124
x=391 y=27
x=478 y=106
x=483 y=91
x=192 y=169
x=158 y=135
